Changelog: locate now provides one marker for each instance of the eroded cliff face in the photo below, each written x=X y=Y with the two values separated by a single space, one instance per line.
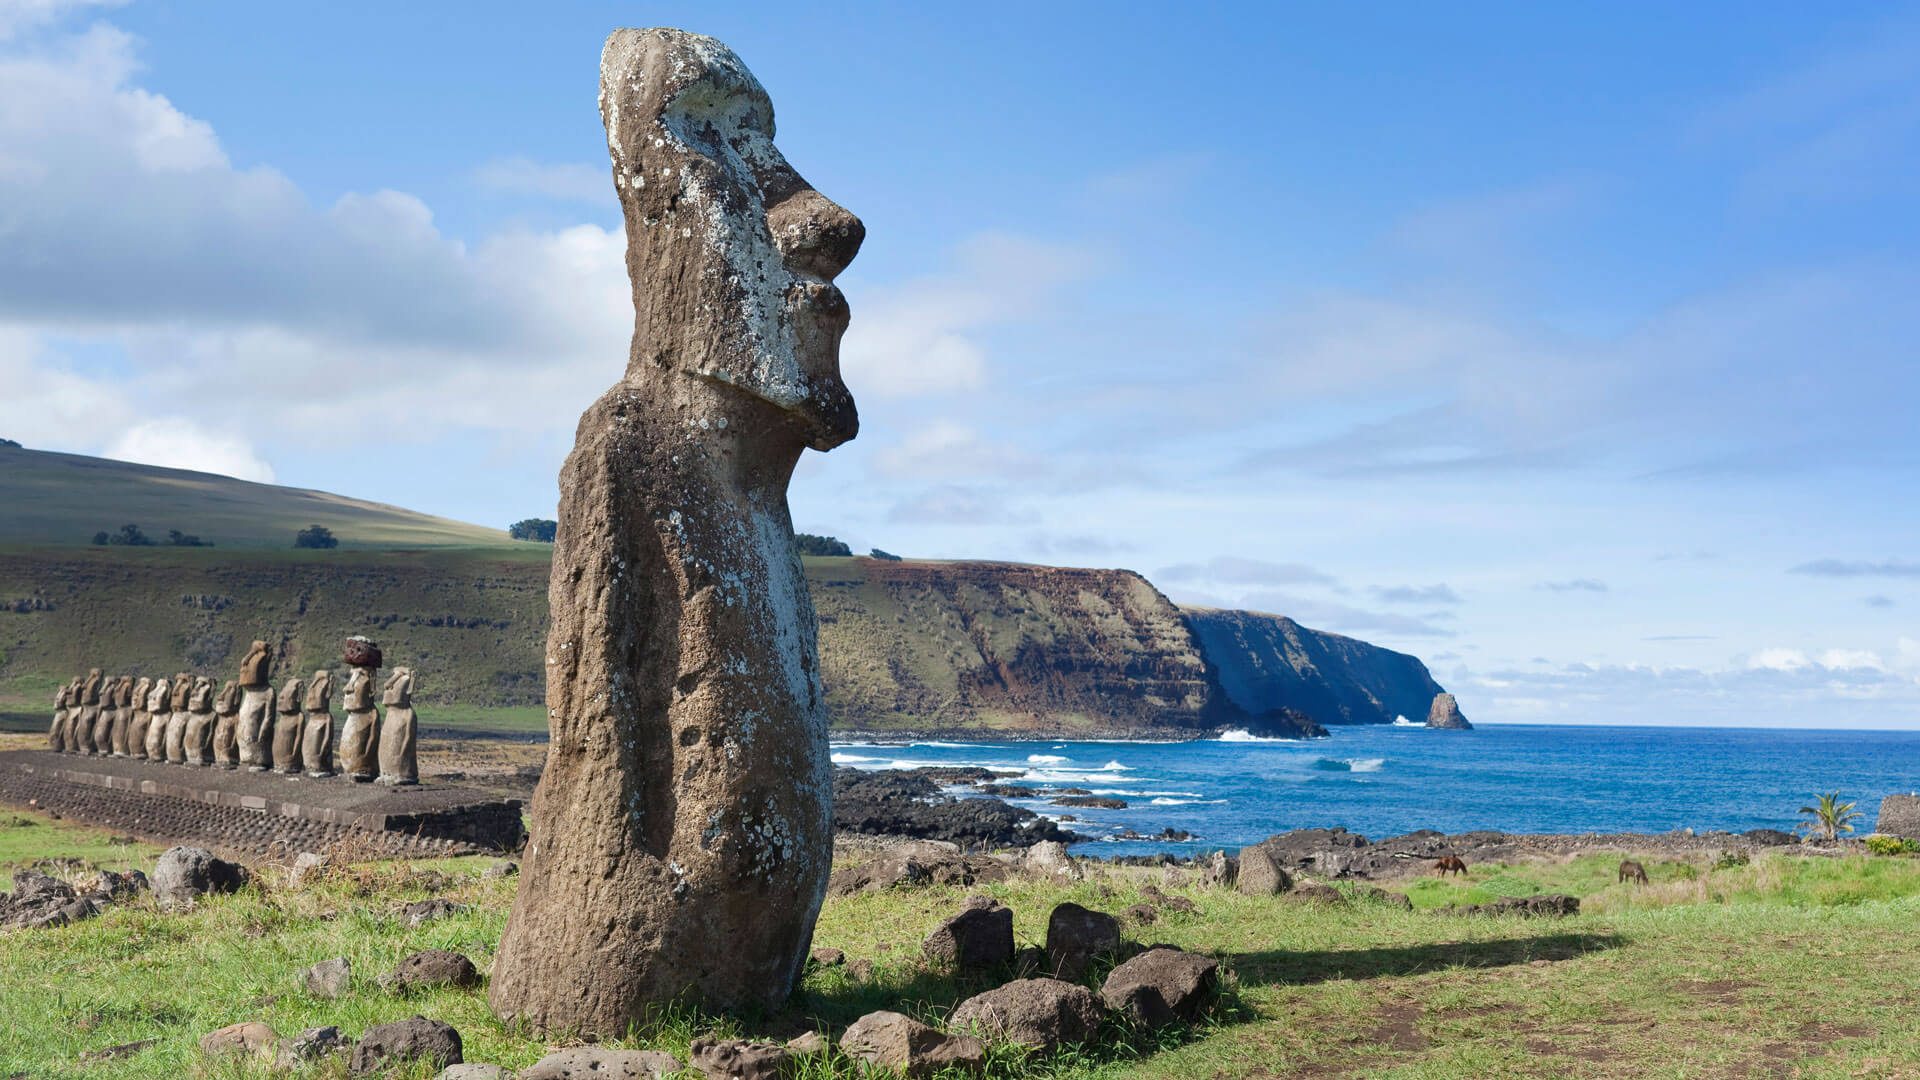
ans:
x=1265 y=661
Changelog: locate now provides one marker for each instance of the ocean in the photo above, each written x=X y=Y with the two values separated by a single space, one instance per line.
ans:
x=1387 y=780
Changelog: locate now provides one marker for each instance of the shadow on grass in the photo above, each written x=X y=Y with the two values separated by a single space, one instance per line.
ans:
x=1274 y=967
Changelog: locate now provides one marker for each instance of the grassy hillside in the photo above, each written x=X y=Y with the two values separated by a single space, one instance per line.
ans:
x=1789 y=967
x=63 y=499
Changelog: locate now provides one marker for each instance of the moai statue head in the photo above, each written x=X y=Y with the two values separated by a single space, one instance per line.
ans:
x=157 y=695
x=399 y=689
x=140 y=691
x=182 y=690
x=358 y=695
x=60 y=696
x=202 y=699
x=228 y=703
x=290 y=696
x=76 y=689
x=123 y=691
x=254 y=668
x=90 y=689
x=320 y=691
x=705 y=191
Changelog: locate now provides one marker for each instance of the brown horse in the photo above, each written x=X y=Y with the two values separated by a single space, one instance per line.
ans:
x=1450 y=864
x=1633 y=871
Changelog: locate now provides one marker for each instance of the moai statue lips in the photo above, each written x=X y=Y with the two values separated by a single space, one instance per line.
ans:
x=681 y=833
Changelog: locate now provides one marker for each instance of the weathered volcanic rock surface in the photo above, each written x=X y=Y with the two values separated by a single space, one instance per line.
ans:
x=1270 y=661
x=1446 y=714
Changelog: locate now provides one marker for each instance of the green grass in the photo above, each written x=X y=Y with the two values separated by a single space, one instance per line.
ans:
x=1789 y=966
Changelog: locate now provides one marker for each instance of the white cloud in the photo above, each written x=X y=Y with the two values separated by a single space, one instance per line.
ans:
x=573 y=181
x=1778 y=660
x=179 y=443
x=20 y=16
x=925 y=336
x=946 y=450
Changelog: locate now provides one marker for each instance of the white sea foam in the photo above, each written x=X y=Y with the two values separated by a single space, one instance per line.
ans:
x=1243 y=735
x=1079 y=776
x=1372 y=764
x=956 y=745
x=1188 y=802
x=851 y=759
x=1401 y=721
x=1047 y=759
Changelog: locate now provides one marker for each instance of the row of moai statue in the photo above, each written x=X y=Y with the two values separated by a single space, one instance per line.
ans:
x=184 y=722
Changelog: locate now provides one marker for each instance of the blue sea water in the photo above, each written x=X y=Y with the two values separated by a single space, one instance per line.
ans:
x=1384 y=781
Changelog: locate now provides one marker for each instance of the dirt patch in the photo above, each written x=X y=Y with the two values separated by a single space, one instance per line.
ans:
x=1719 y=990
x=1397 y=1028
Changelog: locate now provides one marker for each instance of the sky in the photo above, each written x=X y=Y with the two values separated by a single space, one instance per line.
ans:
x=1571 y=349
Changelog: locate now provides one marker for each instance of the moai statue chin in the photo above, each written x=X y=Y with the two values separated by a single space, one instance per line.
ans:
x=142 y=718
x=317 y=741
x=57 y=732
x=360 y=734
x=254 y=730
x=286 y=727
x=198 y=738
x=176 y=739
x=158 y=713
x=681 y=832
x=398 y=731
x=81 y=734
x=226 y=726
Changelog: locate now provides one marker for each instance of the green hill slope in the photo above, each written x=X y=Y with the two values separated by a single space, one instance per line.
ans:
x=63 y=499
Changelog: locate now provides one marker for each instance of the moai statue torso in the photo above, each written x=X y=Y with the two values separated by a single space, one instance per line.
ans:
x=70 y=718
x=159 y=711
x=177 y=718
x=286 y=727
x=142 y=718
x=254 y=732
x=122 y=726
x=226 y=720
x=109 y=718
x=398 y=730
x=317 y=742
x=682 y=831
x=89 y=711
x=360 y=735
x=198 y=739
x=57 y=732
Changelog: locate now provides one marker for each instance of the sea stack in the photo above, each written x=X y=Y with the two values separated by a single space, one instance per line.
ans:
x=1445 y=713
x=681 y=832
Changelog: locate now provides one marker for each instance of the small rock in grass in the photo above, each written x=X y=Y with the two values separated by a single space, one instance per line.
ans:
x=1161 y=986
x=184 y=874
x=1219 y=871
x=1315 y=894
x=1041 y=1014
x=328 y=978
x=737 y=1059
x=110 y=1053
x=309 y=1045
x=1077 y=936
x=979 y=937
x=307 y=866
x=860 y=970
x=471 y=1071
x=826 y=957
x=600 y=1063
x=432 y=967
x=426 y=911
x=1261 y=873
x=888 y=1040
x=414 y=1039
x=807 y=1044
x=1049 y=859
x=246 y=1037
x=501 y=868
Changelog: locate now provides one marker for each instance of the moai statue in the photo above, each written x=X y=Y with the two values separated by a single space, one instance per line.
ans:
x=317 y=743
x=177 y=718
x=226 y=722
x=255 y=730
x=67 y=716
x=109 y=712
x=286 y=728
x=360 y=735
x=142 y=719
x=682 y=831
x=198 y=739
x=82 y=731
x=398 y=730
x=122 y=715
x=159 y=711
x=57 y=732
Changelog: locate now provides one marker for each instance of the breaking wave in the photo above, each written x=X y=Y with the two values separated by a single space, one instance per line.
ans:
x=1047 y=759
x=1243 y=735
x=1372 y=764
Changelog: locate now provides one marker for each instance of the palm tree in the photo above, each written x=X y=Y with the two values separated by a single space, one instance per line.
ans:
x=1831 y=817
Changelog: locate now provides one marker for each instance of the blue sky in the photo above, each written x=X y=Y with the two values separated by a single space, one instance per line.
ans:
x=1571 y=350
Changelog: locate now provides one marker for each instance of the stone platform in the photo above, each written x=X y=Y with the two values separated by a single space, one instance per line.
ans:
x=259 y=811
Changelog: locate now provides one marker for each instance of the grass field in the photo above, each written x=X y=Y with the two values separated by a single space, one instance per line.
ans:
x=1789 y=966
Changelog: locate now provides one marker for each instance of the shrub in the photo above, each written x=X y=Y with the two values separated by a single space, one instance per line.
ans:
x=884 y=556
x=1831 y=817
x=1892 y=845
x=102 y=538
x=316 y=536
x=539 y=530
x=1732 y=860
x=810 y=544
x=177 y=538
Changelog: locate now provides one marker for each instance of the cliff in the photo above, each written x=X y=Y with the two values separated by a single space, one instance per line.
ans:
x=1266 y=661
